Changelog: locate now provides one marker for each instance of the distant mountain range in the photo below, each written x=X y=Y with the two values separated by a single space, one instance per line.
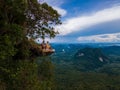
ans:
x=86 y=57
x=90 y=66
x=111 y=50
x=91 y=58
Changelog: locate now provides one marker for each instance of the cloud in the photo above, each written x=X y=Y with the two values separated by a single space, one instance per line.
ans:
x=56 y=5
x=54 y=2
x=115 y=37
x=82 y=22
x=61 y=11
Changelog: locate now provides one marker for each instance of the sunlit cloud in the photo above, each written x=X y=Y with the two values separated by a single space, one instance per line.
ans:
x=56 y=5
x=115 y=37
x=54 y=2
x=82 y=22
x=61 y=11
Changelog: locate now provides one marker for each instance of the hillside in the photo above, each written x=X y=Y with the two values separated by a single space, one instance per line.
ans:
x=90 y=58
x=111 y=50
x=88 y=67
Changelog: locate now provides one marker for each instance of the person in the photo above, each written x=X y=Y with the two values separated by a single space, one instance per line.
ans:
x=48 y=47
x=43 y=45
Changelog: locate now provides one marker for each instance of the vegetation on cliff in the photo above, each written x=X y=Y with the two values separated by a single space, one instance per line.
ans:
x=20 y=21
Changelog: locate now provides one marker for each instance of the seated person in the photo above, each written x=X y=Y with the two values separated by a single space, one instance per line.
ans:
x=43 y=45
x=48 y=47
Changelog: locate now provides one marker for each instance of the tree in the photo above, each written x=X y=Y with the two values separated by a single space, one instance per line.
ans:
x=19 y=21
x=41 y=20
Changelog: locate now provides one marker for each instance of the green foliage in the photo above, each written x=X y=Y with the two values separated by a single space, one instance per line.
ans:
x=22 y=75
x=20 y=20
x=41 y=20
x=7 y=42
x=72 y=79
x=46 y=74
x=73 y=71
x=111 y=69
x=26 y=77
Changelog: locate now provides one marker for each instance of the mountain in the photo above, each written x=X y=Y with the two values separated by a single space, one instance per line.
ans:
x=90 y=66
x=90 y=58
x=111 y=69
x=111 y=50
x=85 y=57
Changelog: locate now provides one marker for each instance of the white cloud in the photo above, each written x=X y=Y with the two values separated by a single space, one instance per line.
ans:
x=61 y=11
x=82 y=22
x=54 y=2
x=115 y=37
x=56 y=5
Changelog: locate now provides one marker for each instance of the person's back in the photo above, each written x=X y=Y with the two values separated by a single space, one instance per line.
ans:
x=43 y=45
x=48 y=46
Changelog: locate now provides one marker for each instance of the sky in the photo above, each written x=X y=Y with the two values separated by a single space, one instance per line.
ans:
x=87 y=21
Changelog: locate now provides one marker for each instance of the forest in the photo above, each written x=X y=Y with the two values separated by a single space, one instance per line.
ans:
x=21 y=22
x=86 y=71
x=23 y=68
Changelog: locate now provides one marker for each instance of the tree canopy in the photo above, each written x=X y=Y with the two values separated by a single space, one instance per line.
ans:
x=37 y=19
x=19 y=21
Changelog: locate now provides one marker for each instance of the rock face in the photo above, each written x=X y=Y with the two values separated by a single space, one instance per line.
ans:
x=91 y=58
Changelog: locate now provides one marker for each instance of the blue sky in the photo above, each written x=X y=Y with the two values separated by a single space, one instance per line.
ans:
x=87 y=21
